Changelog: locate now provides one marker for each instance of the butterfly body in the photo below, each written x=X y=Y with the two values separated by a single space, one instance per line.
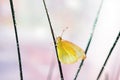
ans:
x=68 y=52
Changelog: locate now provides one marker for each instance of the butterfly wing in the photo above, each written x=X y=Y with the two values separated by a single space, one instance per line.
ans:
x=69 y=53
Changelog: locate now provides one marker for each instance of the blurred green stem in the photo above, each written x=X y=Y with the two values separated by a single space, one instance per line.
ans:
x=90 y=39
x=108 y=56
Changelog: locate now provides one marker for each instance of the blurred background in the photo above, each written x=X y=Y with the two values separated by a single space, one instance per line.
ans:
x=36 y=44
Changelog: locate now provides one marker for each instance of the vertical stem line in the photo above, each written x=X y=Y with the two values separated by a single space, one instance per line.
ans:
x=17 y=40
x=50 y=73
x=59 y=64
x=90 y=39
x=108 y=56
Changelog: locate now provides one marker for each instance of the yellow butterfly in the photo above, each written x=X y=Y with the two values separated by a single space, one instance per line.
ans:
x=68 y=52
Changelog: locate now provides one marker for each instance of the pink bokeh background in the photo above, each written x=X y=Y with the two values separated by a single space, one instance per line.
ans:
x=36 y=43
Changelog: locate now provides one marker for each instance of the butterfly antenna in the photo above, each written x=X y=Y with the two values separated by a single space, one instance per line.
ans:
x=63 y=31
